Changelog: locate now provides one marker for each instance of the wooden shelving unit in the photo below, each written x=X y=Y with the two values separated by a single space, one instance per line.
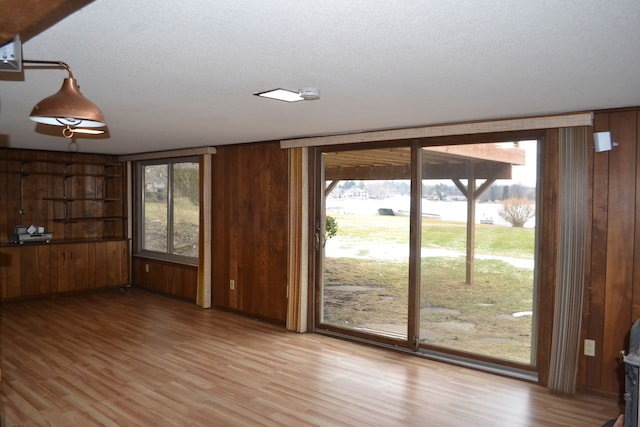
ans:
x=80 y=199
x=87 y=191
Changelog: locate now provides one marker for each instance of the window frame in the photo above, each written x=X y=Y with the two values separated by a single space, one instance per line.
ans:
x=140 y=217
x=541 y=327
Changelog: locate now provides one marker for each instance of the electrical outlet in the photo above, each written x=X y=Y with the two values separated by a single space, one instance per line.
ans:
x=146 y=268
x=589 y=347
x=232 y=284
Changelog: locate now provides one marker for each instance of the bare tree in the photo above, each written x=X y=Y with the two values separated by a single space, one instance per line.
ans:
x=517 y=211
x=186 y=181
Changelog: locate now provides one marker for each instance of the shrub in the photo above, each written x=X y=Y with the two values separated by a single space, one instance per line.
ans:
x=517 y=211
x=331 y=226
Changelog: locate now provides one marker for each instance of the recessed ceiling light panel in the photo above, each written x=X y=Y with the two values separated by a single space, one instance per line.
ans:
x=281 y=95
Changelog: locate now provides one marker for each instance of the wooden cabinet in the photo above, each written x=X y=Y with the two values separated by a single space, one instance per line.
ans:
x=84 y=266
x=24 y=271
x=73 y=267
x=32 y=270
x=81 y=200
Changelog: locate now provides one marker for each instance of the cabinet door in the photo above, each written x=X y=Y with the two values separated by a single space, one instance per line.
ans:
x=100 y=268
x=73 y=267
x=66 y=276
x=118 y=262
x=34 y=270
x=10 y=274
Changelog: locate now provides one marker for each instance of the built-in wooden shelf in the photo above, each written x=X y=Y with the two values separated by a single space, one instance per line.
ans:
x=81 y=199
x=88 y=219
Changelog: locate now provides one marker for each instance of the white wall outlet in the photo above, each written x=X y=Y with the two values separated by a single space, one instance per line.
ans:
x=232 y=284
x=589 y=347
x=146 y=268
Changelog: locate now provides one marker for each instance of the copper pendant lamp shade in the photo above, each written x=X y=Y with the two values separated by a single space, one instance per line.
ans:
x=68 y=108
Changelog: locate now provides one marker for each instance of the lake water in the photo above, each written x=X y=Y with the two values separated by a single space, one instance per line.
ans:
x=448 y=210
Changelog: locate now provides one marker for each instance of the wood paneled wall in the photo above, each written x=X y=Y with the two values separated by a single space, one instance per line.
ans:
x=177 y=280
x=250 y=211
x=612 y=294
x=51 y=186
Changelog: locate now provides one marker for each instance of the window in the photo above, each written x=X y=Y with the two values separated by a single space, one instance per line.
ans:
x=170 y=209
x=463 y=283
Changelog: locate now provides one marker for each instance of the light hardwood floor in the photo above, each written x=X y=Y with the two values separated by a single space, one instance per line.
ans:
x=132 y=358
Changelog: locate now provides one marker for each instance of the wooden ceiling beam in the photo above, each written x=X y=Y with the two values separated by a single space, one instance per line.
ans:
x=494 y=152
x=483 y=170
x=28 y=18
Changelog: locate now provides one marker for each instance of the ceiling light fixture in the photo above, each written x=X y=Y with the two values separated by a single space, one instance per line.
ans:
x=307 y=94
x=68 y=107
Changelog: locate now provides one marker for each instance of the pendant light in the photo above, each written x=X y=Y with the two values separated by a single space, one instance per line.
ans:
x=68 y=107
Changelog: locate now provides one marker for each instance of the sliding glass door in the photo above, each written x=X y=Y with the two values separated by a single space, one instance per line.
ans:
x=464 y=281
x=365 y=243
x=477 y=251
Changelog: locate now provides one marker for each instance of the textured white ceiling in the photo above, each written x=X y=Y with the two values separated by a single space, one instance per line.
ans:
x=173 y=75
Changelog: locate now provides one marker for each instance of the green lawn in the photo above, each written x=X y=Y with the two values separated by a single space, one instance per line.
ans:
x=490 y=239
x=373 y=293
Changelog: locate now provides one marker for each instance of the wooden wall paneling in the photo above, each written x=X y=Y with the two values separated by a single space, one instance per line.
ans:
x=237 y=213
x=144 y=278
x=137 y=269
x=225 y=230
x=250 y=232
x=597 y=269
x=13 y=202
x=219 y=235
x=191 y=284
x=94 y=190
x=27 y=195
x=92 y=209
x=619 y=275
x=173 y=279
x=154 y=277
x=5 y=229
x=274 y=234
x=187 y=280
x=113 y=188
x=9 y=208
x=35 y=186
x=181 y=281
x=250 y=248
x=635 y=311
x=5 y=263
x=151 y=279
x=43 y=183
x=57 y=209
x=582 y=359
x=53 y=210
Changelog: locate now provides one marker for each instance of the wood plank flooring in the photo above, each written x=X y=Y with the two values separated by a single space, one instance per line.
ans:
x=132 y=358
